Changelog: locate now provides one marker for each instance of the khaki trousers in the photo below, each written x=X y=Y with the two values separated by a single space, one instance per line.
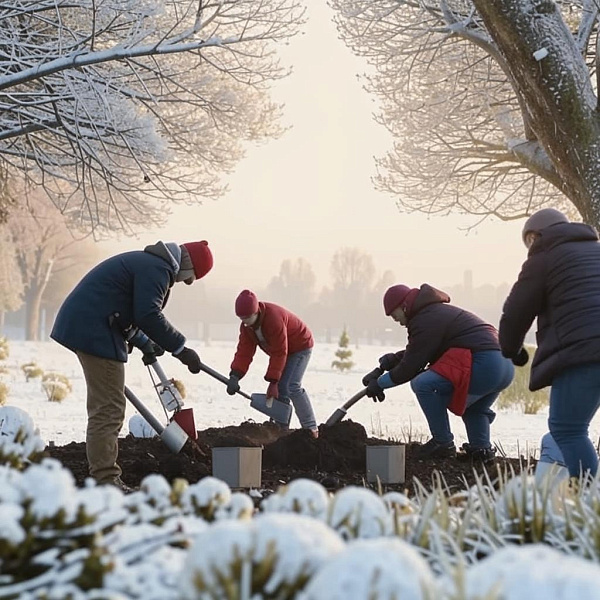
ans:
x=105 y=381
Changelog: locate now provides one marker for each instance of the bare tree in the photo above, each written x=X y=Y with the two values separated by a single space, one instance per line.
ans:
x=294 y=286
x=41 y=240
x=11 y=282
x=492 y=102
x=118 y=108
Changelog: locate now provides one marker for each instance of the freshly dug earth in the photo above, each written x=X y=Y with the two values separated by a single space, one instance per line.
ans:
x=336 y=459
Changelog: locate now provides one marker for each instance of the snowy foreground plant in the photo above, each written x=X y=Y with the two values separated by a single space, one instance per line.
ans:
x=20 y=442
x=176 y=541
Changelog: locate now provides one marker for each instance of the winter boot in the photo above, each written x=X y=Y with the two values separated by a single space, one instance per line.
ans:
x=477 y=455
x=435 y=449
x=118 y=483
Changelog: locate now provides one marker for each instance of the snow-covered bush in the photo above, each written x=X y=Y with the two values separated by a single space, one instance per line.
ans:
x=31 y=370
x=20 y=442
x=302 y=496
x=271 y=556
x=4 y=348
x=56 y=386
x=205 y=498
x=357 y=512
x=521 y=511
x=4 y=390
x=140 y=428
x=533 y=572
x=385 y=569
x=46 y=534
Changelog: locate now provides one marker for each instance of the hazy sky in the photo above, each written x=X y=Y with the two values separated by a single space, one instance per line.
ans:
x=310 y=192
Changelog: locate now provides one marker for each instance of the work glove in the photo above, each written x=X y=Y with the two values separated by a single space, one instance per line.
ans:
x=521 y=359
x=388 y=361
x=233 y=385
x=273 y=390
x=150 y=351
x=375 y=391
x=374 y=374
x=190 y=359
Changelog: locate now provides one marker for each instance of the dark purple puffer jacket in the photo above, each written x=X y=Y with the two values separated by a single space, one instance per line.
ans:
x=559 y=284
x=435 y=326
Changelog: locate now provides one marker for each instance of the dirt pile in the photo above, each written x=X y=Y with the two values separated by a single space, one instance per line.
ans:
x=337 y=458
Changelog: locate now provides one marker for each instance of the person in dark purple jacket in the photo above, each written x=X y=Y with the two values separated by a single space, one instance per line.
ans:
x=120 y=301
x=453 y=362
x=559 y=284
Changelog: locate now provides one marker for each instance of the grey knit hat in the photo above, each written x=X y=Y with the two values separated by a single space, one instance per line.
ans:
x=542 y=219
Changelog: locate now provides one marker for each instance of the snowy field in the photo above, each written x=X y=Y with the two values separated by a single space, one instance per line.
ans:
x=398 y=417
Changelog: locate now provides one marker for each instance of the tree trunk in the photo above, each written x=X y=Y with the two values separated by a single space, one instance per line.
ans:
x=33 y=302
x=554 y=82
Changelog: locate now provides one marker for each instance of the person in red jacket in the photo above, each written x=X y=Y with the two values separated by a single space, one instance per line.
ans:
x=287 y=341
x=453 y=362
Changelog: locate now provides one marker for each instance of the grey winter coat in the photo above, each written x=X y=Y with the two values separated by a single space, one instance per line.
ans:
x=559 y=284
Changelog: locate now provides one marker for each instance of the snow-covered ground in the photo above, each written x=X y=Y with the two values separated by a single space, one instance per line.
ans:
x=398 y=417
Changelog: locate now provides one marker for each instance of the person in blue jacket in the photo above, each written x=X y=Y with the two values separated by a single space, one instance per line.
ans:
x=119 y=303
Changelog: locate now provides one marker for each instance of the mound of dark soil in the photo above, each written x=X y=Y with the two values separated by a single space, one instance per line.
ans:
x=336 y=459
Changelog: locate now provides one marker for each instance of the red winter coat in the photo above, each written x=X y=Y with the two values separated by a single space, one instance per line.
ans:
x=278 y=332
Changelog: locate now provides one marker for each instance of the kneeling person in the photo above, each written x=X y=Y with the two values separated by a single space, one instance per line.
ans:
x=453 y=362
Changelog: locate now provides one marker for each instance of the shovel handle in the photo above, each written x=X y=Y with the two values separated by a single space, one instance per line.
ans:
x=355 y=399
x=219 y=377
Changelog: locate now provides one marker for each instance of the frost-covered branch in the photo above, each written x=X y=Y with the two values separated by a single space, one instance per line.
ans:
x=118 y=109
x=485 y=99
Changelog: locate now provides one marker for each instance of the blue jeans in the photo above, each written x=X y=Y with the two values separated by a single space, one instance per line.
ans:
x=490 y=374
x=290 y=388
x=574 y=400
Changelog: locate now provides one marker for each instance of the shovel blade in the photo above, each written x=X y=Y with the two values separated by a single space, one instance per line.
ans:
x=185 y=419
x=278 y=411
x=174 y=437
x=336 y=417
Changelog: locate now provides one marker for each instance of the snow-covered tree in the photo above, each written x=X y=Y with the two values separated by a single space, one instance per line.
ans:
x=493 y=103
x=118 y=108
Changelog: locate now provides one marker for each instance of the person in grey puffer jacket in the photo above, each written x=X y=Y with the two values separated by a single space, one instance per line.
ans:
x=120 y=302
x=559 y=284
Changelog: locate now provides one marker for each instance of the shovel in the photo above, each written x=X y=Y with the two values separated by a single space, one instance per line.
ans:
x=340 y=413
x=173 y=436
x=278 y=411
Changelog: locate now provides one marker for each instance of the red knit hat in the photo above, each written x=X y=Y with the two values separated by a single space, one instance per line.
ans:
x=246 y=304
x=399 y=296
x=201 y=256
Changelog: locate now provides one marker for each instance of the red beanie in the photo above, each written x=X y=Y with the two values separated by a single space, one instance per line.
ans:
x=399 y=296
x=246 y=304
x=201 y=256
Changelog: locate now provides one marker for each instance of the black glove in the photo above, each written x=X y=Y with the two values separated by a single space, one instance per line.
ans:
x=189 y=358
x=233 y=385
x=375 y=391
x=522 y=357
x=374 y=374
x=388 y=361
x=150 y=351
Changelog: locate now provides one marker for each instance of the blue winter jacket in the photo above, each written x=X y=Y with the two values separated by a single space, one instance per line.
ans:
x=126 y=291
